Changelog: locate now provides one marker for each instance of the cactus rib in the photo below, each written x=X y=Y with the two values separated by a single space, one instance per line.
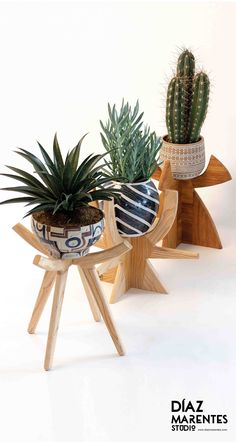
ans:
x=187 y=101
x=201 y=87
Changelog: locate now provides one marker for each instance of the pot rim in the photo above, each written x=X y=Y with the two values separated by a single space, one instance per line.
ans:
x=68 y=226
x=134 y=184
x=182 y=146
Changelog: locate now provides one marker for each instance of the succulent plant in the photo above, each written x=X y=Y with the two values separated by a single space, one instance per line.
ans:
x=176 y=111
x=186 y=65
x=199 y=104
x=187 y=101
x=133 y=148
x=61 y=186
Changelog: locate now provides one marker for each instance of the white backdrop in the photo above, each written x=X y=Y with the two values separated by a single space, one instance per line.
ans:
x=62 y=62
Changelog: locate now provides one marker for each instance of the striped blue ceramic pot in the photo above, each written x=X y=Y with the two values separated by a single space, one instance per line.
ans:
x=136 y=209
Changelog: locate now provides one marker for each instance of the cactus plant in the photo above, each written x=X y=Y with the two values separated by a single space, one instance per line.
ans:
x=186 y=65
x=175 y=111
x=187 y=101
x=198 y=110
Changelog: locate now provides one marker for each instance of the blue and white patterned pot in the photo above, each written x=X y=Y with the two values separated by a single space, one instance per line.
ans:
x=136 y=210
x=68 y=242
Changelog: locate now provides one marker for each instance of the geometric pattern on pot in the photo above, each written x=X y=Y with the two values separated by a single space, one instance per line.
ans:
x=68 y=242
x=187 y=160
x=136 y=209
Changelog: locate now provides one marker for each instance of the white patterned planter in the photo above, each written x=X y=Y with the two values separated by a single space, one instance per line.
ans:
x=67 y=242
x=187 y=160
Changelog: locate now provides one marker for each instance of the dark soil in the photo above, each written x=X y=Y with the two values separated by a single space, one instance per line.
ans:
x=82 y=216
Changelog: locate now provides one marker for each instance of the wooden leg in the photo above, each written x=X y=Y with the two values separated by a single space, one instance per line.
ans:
x=119 y=287
x=55 y=317
x=168 y=253
x=108 y=265
x=89 y=294
x=172 y=238
x=94 y=284
x=109 y=276
x=204 y=232
x=44 y=292
x=151 y=280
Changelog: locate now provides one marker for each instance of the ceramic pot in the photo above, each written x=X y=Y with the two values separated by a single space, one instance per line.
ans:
x=136 y=209
x=68 y=242
x=187 y=160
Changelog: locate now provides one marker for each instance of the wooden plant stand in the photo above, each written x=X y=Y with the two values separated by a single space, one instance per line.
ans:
x=56 y=271
x=193 y=223
x=134 y=270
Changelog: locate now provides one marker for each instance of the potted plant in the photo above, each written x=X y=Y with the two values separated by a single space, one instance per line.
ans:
x=62 y=218
x=133 y=151
x=186 y=109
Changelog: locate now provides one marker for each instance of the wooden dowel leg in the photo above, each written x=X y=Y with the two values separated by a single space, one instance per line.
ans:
x=89 y=294
x=44 y=292
x=108 y=265
x=168 y=253
x=55 y=317
x=120 y=284
x=94 y=284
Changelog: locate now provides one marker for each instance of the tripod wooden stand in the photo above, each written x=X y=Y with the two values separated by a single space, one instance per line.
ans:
x=56 y=271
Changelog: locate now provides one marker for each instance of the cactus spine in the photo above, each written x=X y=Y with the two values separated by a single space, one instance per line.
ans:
x=186 y=65
x=187 y=101
x=200 y=97
x=175 y=112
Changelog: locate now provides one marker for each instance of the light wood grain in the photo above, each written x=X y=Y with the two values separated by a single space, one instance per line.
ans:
x=151 y=281
x=45 y=289
x=108 y=265
x=157 y=174
x=55 y=318
x=92 y=303
x=134 y=269
x=57 y=269
x=119 y=286
x=108 y=276
x=103 y=256
x=168 y=253
x=193 y=223
x=30 y=238
x=101 y=243
x=207 y=236
x=166 y=180
x=216 y=173
x=93 y=282
x=167 y=218
x=52 y=265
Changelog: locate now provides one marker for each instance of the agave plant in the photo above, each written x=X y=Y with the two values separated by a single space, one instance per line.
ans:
x=132 y=146
x=61 y=185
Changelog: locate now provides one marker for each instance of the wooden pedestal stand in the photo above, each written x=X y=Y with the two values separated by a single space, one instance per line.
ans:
x=134 y=270
x=193 y=223
x=56 y=270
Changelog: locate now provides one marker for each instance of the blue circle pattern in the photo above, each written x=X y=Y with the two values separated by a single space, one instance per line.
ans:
x=73 y=242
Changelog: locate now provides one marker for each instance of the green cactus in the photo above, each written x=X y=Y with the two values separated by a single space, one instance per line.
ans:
x=186 y=65
x=175 y=111
x=186 y=71
x=187 y=101
x=198 y=110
